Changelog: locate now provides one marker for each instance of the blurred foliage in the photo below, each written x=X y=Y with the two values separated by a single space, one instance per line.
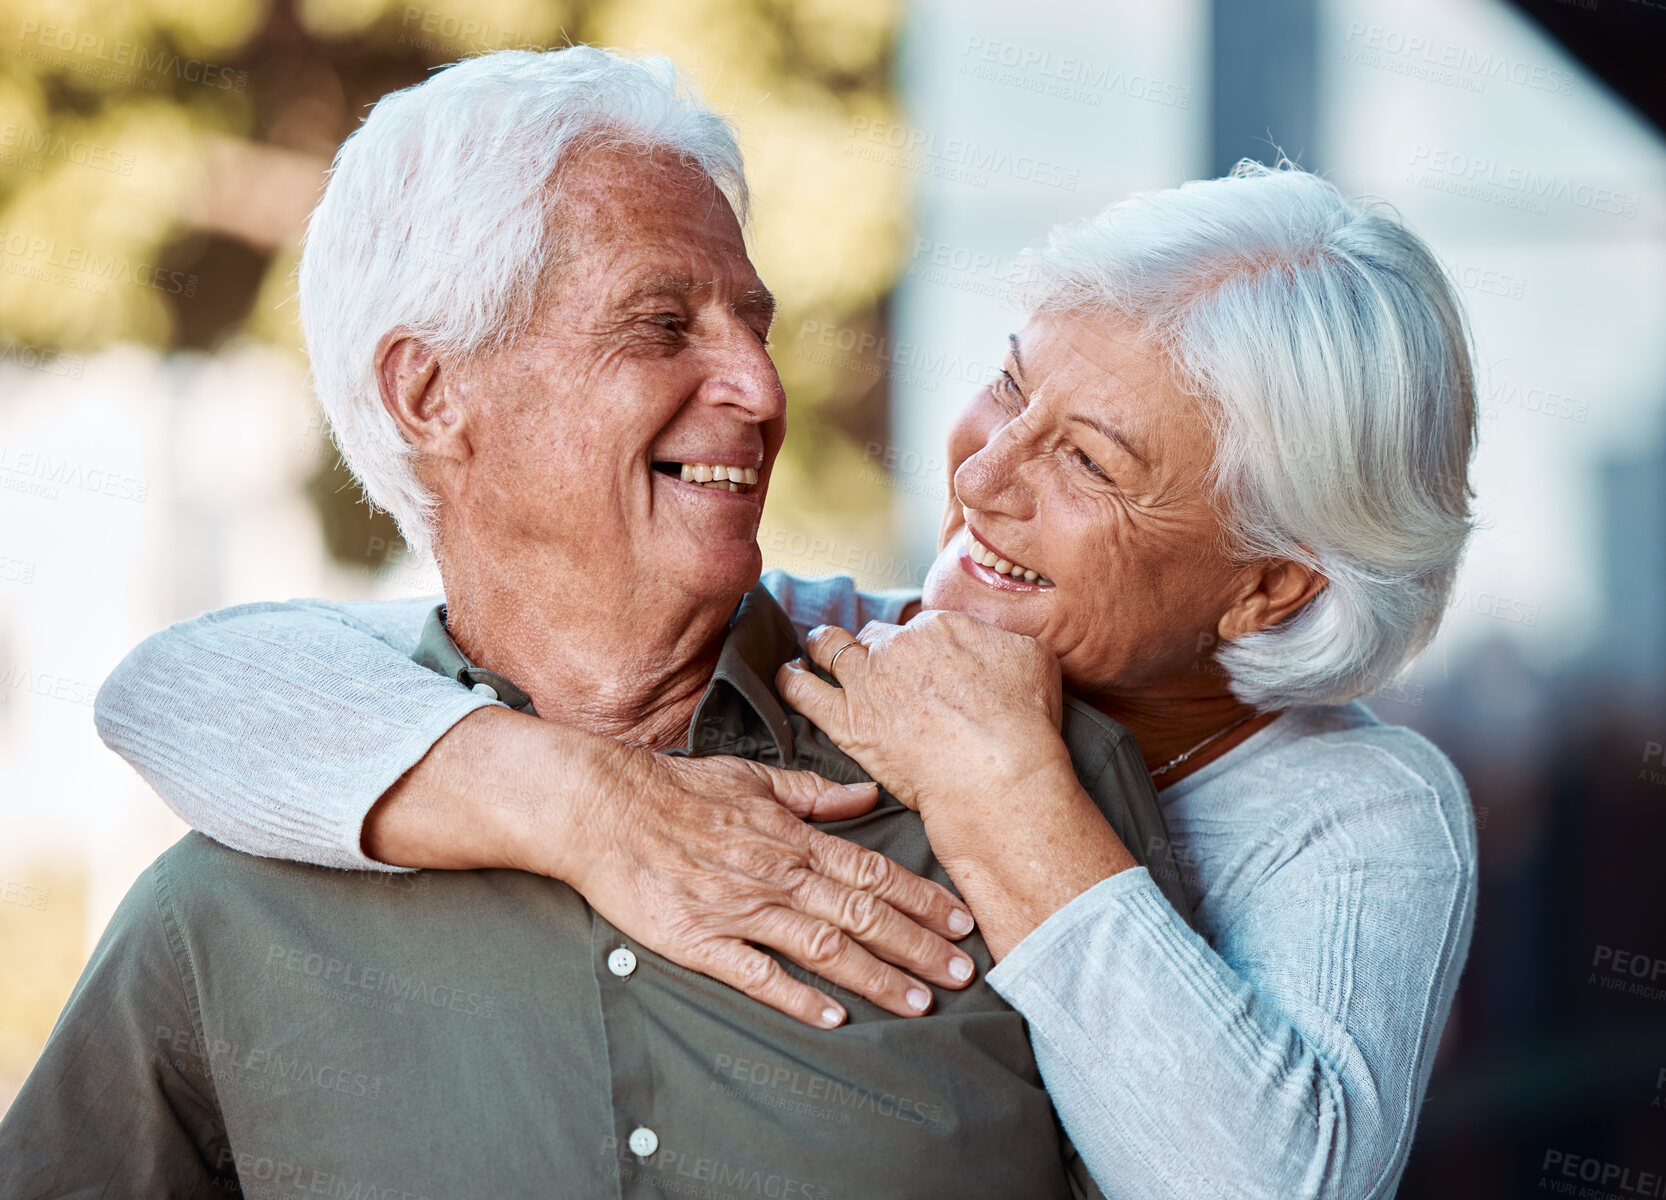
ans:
x=158 y=157
x=43 y=916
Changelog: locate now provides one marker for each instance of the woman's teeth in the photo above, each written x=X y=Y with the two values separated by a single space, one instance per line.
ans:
x=979 y=553
x=734 y=479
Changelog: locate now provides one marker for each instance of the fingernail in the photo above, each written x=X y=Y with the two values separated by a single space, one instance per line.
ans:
x=960 y=921
x=831 y=1016
x=918 y=999
x=960 y=969
x=815 y=630
x=862 y=787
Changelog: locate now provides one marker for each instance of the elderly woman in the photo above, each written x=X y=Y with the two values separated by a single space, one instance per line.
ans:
x=1218 y=492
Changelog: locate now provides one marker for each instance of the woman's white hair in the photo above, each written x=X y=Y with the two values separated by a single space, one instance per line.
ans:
x=441 y=215
x=1332 y=356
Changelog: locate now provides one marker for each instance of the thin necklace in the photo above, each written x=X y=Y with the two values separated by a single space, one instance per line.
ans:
x=1175 y=762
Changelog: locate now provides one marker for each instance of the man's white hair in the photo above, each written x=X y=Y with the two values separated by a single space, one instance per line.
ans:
x=441 y=215
x=1332 y=356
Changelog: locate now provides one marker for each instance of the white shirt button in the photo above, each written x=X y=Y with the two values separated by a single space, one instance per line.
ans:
x=622 y=962
x=643 y=1141
x=484 y=689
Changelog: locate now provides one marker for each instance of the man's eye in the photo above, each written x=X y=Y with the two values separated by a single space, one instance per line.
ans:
x=672 y=322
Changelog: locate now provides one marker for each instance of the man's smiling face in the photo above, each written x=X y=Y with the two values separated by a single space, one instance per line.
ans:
x=649 y=354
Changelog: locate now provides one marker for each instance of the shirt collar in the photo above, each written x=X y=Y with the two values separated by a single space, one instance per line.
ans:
x=438 y=652
x=759 y=640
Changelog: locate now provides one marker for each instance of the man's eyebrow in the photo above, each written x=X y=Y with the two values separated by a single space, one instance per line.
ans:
x=758 y=300
x=754 y=300
x=656 y=285
x=1110 y=431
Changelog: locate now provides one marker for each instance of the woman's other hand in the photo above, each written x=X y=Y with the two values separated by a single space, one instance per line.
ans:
x=932 y=708
x=960 y=720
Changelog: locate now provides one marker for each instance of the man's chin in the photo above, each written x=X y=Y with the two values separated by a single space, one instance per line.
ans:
x=721 y=570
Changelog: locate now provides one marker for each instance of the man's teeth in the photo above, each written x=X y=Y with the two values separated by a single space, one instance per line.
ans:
x=982 y=554
x=715 y=475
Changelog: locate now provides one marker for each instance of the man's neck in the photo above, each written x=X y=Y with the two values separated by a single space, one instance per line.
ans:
x=633 y=671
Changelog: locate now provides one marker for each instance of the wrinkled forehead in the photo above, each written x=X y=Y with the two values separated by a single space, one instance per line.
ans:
x=618 y=202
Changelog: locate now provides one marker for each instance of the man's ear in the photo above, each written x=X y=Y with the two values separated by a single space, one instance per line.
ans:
x=415 y=394
x=1269 y=591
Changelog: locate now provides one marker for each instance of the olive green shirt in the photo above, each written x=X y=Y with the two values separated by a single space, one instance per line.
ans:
x=278 y=1028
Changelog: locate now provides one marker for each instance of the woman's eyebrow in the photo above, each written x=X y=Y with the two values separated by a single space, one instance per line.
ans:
x=1112 y=432
x=1017 y=359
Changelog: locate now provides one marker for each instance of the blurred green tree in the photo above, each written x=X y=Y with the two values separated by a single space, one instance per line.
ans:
x=158 y=159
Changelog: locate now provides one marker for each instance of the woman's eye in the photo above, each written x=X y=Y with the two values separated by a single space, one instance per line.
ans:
x=1093 y=468
x=668 y=321
x=1007 y=388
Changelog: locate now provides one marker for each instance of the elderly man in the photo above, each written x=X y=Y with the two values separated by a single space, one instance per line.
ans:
x=590 y=450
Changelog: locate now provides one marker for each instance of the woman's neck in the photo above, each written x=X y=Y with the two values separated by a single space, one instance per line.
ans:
x=1195 y=729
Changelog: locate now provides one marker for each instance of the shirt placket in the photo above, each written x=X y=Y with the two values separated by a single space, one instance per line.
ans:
x=639 y=1129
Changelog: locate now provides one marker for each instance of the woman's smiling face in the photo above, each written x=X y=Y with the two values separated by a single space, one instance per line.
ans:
x=1085 y=462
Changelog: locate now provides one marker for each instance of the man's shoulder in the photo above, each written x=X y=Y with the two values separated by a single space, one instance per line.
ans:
x=198 y=877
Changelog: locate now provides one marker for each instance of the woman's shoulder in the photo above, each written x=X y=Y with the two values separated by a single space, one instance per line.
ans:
x=1339 y=768
x=1371 y=755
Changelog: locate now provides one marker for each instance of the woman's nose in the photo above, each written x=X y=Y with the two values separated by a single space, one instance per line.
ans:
x=990 y=479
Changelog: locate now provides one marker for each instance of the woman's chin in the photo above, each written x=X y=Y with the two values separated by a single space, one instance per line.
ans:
x=950 y=588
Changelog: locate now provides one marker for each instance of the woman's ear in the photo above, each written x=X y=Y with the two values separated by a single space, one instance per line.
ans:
x=1269 y=592
x=416 y=394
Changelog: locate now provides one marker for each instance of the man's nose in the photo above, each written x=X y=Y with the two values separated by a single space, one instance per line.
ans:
x=743 y=375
